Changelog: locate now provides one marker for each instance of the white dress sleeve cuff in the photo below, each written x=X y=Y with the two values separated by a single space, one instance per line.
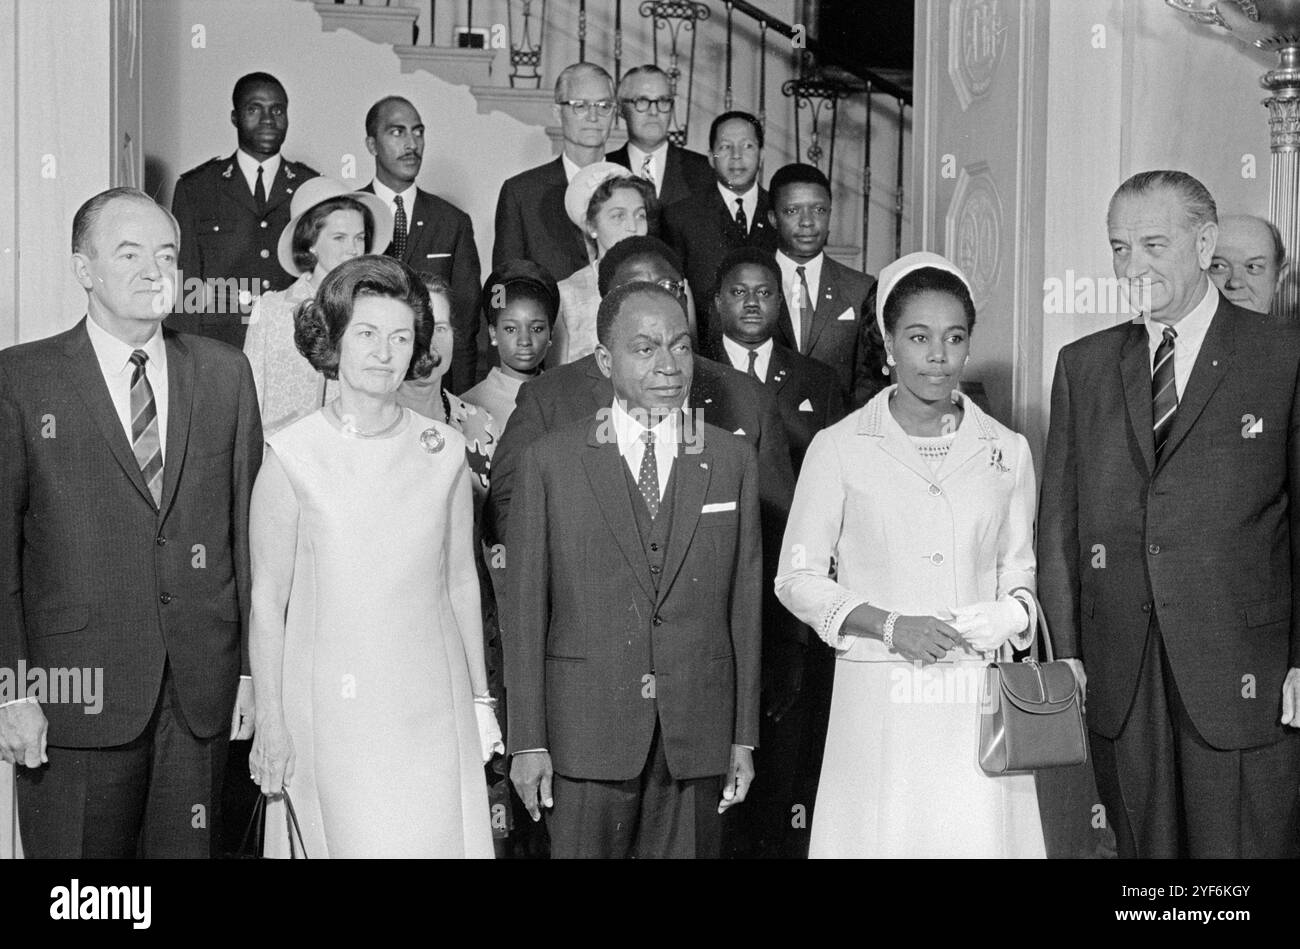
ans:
x=833 y=618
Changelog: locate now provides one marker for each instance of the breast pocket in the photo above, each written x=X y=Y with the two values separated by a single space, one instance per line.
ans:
x=438 y=264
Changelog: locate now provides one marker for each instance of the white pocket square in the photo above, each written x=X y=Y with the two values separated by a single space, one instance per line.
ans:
x=739 y=431
x=431 y=256
x=805 y=406
x=847 y=315
x=719 y=506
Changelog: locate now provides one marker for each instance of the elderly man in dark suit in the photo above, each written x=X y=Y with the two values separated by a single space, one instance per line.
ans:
x=798 y=668
x=430 y=235
x=825 y=314
x=231 y=212
x=1167 y=538
x=730 y=213
x=127 y=458
x=531 y=222
x=645 y=99
x=567 y=393
x=631 y=617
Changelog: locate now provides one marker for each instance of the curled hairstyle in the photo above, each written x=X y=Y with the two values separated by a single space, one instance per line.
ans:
x=605 y=190
x=319 y=323
x=1198 y=203
x=310 y=225
x=927 y=280
x=612 y=305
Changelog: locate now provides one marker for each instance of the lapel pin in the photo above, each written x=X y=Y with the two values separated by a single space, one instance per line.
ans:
x=228 y=171
x=704 y=465
x=288 y=173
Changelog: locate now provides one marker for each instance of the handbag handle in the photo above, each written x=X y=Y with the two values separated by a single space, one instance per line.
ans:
x=293 y=828
x=258 y=821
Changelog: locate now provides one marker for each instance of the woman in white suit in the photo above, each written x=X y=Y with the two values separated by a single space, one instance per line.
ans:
x=910 y=550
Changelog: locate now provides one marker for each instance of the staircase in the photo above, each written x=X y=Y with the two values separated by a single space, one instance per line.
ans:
x=723 y=54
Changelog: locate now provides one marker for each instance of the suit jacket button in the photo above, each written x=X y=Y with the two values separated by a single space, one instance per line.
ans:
x=654 y=547
x=1153 y=549
x=658 y=621
x=936 y=559
x=162 y=541
x=165 y=597
x=265 y=253
x=654 y=568
x=265 y=284
x=264 y=224
x=1146 y=607
x=935 y=490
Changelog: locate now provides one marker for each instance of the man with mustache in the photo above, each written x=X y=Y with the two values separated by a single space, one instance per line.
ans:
x=231 y=212
x=430 y=235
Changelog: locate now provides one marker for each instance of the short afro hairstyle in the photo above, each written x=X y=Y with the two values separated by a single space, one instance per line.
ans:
x=796 y=173
x=611 y=306
x=629 y=247
x=927 y=280
x=747 y=254
x=245 y=84
x=319 y=323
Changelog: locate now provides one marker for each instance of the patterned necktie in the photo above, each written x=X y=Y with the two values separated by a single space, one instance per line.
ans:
x=144 y=428
x=259 y=192
x=647 y=481
x=742 y=221
x=1164 y=394
x=753 y=358
x=805 y=307
x=648 y=172
x=399 y=229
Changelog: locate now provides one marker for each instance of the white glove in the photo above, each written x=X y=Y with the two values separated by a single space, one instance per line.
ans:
x=489 y=732
x=986 y=626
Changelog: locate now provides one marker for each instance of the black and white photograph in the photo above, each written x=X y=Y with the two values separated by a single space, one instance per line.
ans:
x=729 y=432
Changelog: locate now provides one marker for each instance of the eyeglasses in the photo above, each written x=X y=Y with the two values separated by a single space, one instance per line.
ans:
x=663 y=104
x=579 y=106
x=744 y=148
x=675 y=287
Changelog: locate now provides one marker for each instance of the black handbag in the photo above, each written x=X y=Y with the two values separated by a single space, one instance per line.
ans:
x=257 y=829
x=1031 y=716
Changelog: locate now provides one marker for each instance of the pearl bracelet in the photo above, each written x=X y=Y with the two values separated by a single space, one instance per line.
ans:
x=887 y=636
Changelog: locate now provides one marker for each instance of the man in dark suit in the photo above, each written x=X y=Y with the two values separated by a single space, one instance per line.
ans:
x=127 y=458
x=825 y=314
x=645 y=100
x=565 y=394
x=798 y=668
x=734 y=211
x=231 y=212
x=531 y=222
x=631 y=621
x=1167 y=541
x=430 y=235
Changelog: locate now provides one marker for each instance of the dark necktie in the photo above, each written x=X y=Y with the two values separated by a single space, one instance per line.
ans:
x=753 y=358
x=144 y=428
x=1164 y=394
x=399 y=229
x=742 y=221
x=259 y=192
x=805 y=308
x=647 y=481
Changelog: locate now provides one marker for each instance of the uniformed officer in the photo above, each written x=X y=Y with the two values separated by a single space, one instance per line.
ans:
x=231 y=212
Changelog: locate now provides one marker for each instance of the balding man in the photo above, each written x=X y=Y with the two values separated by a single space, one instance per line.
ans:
x=531 y=222
x=127 y=458
x=1167 y=544
x=1249 y=261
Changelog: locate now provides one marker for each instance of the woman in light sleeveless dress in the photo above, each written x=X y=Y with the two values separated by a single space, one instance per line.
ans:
x=373 y=707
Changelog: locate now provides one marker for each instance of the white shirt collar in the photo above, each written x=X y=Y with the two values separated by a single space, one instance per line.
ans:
x=1192 y=327
x=408 y=196
x=658 y=162
x=571 y=167
x=739 y=356
x=115 y=356
x=248 y=165
x=628 y=430
x=748 y=200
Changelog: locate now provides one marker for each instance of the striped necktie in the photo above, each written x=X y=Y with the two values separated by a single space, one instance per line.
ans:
x=648 y=172
x=648 y=479
x=145 y=441
x=1164 y=394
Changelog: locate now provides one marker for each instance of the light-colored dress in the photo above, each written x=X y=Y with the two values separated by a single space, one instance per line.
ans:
x=376 y=686
x=287 y=386
x=922 y=527
x=496 y=393
x=574 y=335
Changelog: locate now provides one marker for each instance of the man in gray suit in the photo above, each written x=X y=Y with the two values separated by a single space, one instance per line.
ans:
x=1168 y=533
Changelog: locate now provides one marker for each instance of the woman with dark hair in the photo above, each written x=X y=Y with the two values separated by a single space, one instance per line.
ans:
x=329 y=224
x=520 y=301
x=609 y=205
x=909 y=548
x=366 y=640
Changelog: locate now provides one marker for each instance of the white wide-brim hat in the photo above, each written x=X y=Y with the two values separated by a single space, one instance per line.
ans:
x=584 y=185
x=314 y=191
x=900 y=268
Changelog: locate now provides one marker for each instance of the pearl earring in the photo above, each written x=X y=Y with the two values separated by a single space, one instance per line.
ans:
x=889 y=358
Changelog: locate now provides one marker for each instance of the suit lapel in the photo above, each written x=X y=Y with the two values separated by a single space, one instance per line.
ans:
x=894 y=441
x=605 y=466
x=669 y=191
x=421 y=217
x=1135 y=370
x=600 y=391
x=1211 y=366
x=973 y=439
x=778 y=368
x=691 y=476
x=824 y=307
x=236 y=185
x=180 y=400
x=88 y=380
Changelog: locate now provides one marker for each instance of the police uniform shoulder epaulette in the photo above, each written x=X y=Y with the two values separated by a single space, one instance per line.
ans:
x=214 y=160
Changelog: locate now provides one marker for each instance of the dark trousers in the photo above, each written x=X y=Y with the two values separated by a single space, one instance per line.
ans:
x=1169 y=794
x=650 y=816
x=156 y=796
